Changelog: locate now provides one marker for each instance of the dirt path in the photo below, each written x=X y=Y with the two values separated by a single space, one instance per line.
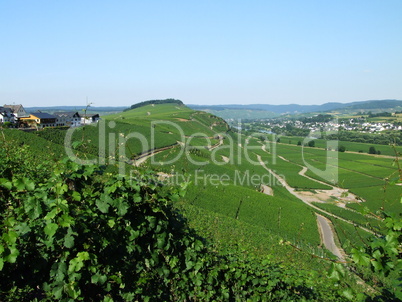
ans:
x=342 y=196
x=216 y=145
x=281 y=157
x=140 y=159
x=267 y=190
x=327 y=236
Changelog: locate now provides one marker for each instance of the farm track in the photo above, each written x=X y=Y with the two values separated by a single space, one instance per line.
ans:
x=216 y=145
x=137 y=161
x=327 y=236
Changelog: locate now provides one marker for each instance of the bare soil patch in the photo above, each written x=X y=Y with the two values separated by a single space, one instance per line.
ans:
x=267 y=190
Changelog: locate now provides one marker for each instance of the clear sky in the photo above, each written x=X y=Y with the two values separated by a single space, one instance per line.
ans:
x=117 y=53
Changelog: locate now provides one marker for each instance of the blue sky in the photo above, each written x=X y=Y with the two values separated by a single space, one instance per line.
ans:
x=117 y=53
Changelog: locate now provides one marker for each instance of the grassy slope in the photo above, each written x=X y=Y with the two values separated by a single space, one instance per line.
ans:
x=239 y=204
x=361 y=174
x=280 y=214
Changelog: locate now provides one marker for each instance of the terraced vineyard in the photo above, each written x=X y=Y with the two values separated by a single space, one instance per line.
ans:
x=203 y=147
x=251 y=192
x=350 y=146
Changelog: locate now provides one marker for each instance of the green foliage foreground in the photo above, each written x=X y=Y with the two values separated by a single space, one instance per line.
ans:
x=75 y=234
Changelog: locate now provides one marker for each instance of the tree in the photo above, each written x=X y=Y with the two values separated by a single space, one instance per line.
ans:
x=311 y=143
x=342 y=148
x=372 y=150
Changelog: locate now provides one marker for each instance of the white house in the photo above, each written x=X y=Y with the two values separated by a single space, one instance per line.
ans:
x=17 y=110
x=89 y=119
x=70 y=119
x=6 y=115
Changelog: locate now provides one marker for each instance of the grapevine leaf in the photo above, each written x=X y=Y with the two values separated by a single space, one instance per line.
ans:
x=6 y=183
x=76 y=196
x=348 y=294
x=65 y=220
x=29 y=185
x=23 y=228
x=103 y=203
x=377 y=265
x=57 y=291
x=12 y=257
x=69 y=241
x=10 y=238
x=360 y=258
x=19 y=184
x=122 y=208
x=50 y=229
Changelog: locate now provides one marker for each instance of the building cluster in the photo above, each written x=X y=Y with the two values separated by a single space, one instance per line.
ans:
x=352 y=125
x=349 y=125
x=17 y=116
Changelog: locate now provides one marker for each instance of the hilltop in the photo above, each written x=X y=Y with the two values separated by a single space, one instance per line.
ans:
x=156 y=102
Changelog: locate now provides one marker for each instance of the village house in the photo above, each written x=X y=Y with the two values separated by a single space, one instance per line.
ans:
x=70 y=119
x=17 y=110
x=6 y=115
x=90 y=118
x=40 y=120
x=17 y=115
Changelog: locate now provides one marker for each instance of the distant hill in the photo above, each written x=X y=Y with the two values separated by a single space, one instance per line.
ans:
x=296 y=108
x=241 y=113
x=99 y=110
x=155 y=102
x=375 y=104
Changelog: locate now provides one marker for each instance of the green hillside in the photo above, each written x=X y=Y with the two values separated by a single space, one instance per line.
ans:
x=243 y=194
